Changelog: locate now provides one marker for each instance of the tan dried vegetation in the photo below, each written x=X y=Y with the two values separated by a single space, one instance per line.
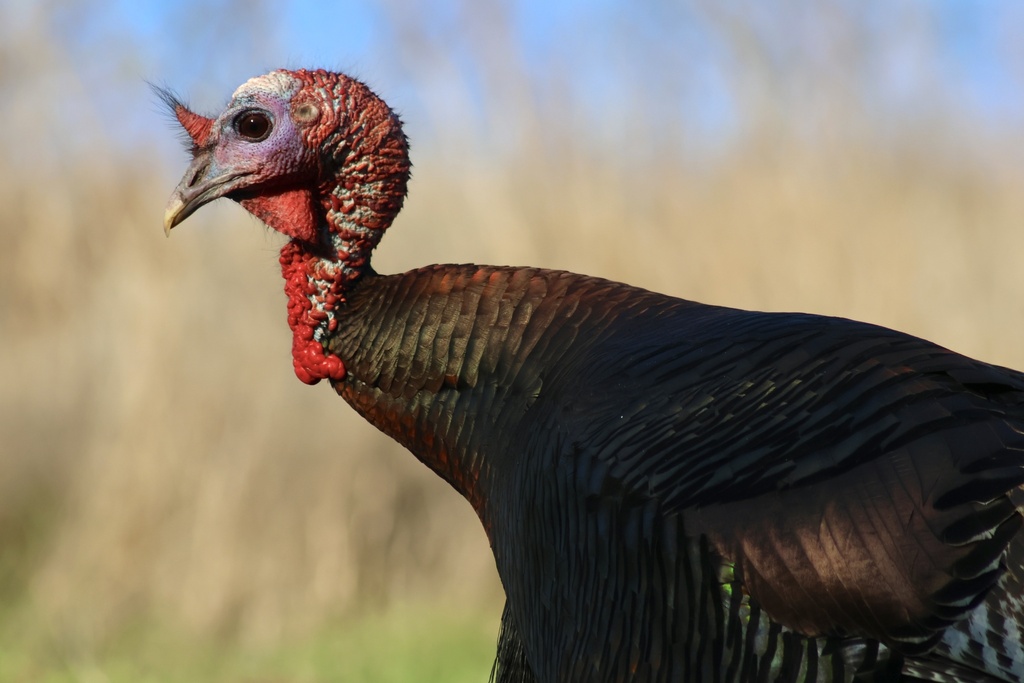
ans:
x=160 y=460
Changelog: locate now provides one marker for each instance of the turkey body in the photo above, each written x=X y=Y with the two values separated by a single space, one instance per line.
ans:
x=681 y=492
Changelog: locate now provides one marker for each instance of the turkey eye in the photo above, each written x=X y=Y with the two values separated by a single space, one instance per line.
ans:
x=253 y=125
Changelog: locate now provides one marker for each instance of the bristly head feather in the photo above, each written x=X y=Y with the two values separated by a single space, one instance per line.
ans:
x=195 y=127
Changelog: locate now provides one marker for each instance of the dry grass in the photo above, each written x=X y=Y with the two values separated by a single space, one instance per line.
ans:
x=153 y=427
x=160 y=460
x=193 y=475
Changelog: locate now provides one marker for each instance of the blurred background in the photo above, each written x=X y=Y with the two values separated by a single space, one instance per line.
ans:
x=176 y=505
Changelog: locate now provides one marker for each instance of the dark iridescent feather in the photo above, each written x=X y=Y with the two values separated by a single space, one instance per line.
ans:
x=601 y=431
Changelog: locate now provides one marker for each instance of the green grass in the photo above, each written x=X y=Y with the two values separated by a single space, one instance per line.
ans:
x=397 y=647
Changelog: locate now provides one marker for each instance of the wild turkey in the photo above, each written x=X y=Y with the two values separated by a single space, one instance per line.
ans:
x=672 y=491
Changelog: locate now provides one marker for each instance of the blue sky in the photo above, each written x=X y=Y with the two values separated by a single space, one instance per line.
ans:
x=584 y=58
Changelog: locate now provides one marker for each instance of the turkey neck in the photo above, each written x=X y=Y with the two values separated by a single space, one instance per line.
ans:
x=336 y=224
x=445 y=358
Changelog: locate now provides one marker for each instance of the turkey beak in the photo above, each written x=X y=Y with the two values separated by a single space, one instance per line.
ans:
x=202 y=183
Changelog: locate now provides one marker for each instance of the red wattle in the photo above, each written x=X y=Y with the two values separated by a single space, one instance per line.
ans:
x=311 y=364
x=289 y=212
x=308 y=358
